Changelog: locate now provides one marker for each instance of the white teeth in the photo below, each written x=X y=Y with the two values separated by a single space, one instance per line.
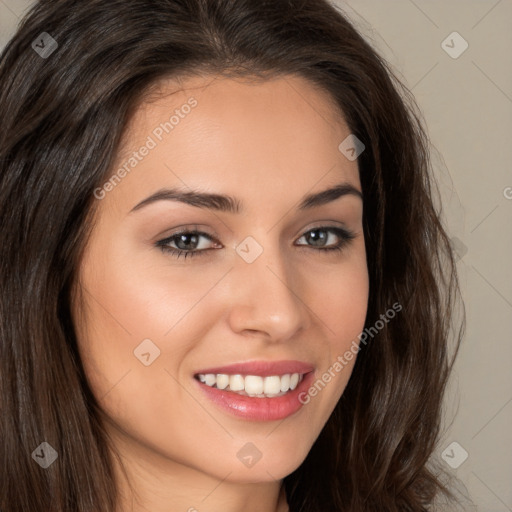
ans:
x=210 y=379
x=285 y=382
x=272 y=385
x=236 y=383
x=253 y=385
x=294 y=380
x=222 y=381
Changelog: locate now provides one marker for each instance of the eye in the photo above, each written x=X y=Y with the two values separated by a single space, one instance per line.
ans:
x=322 y=237
x=188 y=242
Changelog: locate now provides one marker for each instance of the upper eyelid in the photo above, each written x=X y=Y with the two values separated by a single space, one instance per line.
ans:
x=192 y=228
x=199 y=232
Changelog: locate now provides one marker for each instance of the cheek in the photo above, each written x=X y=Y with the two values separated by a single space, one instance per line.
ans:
x=134 y=294
x=340 y=299
x=138 y=303
x=131 y=306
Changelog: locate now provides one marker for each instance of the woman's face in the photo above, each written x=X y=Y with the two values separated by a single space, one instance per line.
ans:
x=256 y=288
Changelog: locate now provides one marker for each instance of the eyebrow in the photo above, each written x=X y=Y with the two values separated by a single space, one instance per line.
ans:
x=224 y=203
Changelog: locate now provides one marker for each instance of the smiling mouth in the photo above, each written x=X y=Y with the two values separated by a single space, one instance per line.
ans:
x=252 y=385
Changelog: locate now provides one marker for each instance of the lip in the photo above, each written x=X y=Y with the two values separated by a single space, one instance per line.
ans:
x=254 y=408
x=261 y=368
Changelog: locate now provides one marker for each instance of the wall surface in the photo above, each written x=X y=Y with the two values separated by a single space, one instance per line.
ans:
x=465 y=94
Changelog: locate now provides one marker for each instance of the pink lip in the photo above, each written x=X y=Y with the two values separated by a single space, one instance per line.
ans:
x=259 y=409
x=261 y=368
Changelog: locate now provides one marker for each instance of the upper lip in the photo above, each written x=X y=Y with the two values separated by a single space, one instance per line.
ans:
x=261 y=368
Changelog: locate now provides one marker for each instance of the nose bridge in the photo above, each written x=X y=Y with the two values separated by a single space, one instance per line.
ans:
x=266 y=296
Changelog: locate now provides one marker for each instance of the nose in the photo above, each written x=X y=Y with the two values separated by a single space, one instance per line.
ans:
x=268 y=298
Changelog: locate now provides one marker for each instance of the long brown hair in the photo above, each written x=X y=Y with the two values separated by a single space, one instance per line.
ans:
x=63 y=116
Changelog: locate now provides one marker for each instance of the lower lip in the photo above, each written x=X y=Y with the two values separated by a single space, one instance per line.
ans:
x=259 y=409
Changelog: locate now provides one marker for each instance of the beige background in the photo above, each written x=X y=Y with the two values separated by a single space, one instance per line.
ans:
x=467 y=104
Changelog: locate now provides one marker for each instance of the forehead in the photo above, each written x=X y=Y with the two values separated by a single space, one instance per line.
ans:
x=213 y=131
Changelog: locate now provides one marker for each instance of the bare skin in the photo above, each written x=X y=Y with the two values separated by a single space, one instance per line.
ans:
x=269 y=145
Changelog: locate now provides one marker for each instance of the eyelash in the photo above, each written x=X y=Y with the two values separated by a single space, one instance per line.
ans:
x=345 y=235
